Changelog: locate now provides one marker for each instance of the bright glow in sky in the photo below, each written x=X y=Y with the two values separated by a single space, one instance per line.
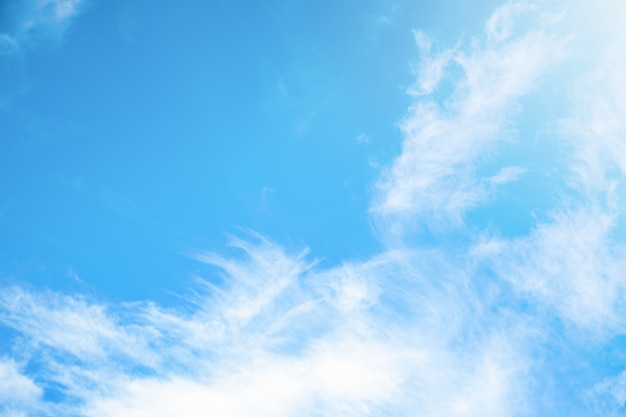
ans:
x=291 y=208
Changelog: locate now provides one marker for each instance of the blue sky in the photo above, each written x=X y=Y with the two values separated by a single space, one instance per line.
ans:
x=312 y=208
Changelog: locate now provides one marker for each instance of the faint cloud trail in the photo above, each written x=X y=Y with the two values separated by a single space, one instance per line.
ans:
x=39 y=21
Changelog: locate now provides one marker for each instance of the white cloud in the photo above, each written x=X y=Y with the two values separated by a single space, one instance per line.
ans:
x=363 y=139
x=434 y=181
x=501 y=24
x=18 y=393
x=609 y=396
x=573 y=263
x=279 y=338
x=341 y=380
x=597 y=129
x=571 y=266
x=70 y=324
x=505 y=175
x=38 y=21
x=8 y=44
x=431 y=68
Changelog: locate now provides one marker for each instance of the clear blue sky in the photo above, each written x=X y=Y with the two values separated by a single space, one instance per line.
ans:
x=312 y=208
x=133 y=132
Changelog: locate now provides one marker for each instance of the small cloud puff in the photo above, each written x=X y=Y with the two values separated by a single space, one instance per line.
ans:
x=363 y=139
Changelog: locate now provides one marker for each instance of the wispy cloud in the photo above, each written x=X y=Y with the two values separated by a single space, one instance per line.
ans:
x=279 y=337
x=574 y=261
x=38 y=21
x=572 y=266
x=363 y=139
x=447 y=137
x=18 y=393
x=596 y=129
x=494 y=326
